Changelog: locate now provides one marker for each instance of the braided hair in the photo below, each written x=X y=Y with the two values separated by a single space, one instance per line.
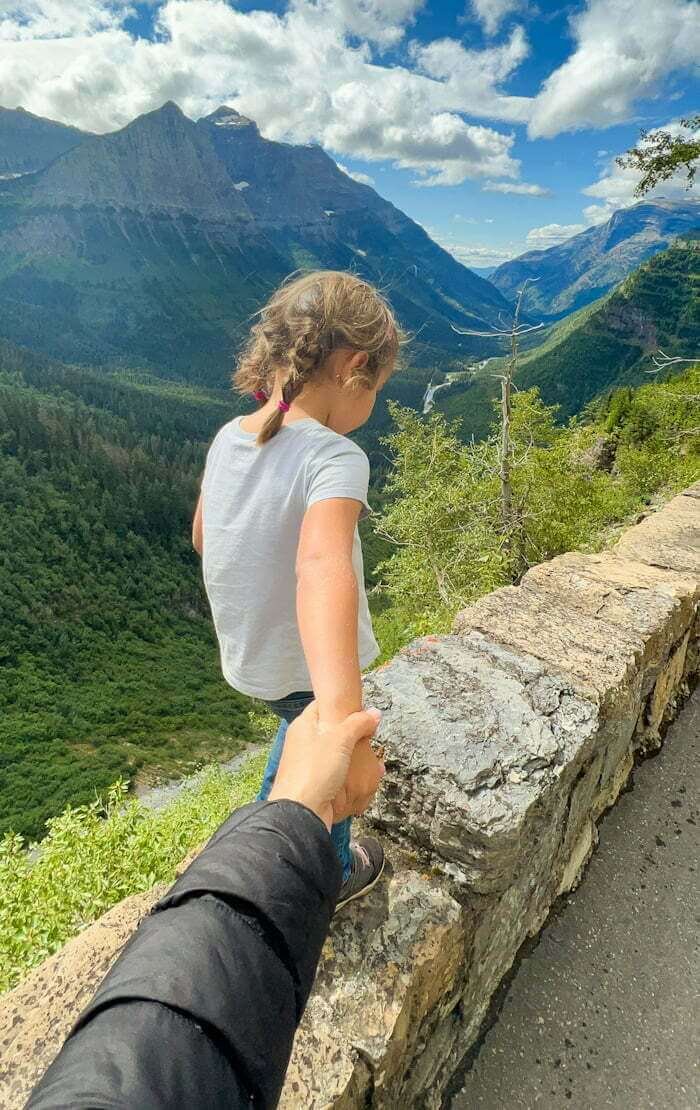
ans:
x=305 y=321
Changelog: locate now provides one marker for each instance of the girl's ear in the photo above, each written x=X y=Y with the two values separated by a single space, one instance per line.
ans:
x=357 y=361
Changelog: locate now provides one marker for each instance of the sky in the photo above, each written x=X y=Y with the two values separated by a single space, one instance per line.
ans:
x=493 y=123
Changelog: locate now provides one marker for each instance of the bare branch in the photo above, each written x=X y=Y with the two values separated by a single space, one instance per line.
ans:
x=661 y=360
x=520 y=329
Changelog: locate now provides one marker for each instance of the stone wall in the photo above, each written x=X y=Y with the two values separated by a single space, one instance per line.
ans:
x=505 y=742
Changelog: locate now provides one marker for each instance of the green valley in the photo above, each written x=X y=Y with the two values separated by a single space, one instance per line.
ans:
x=108 y=659
x=602 y=346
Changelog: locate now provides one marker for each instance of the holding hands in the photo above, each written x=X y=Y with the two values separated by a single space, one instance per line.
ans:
x=331 y=769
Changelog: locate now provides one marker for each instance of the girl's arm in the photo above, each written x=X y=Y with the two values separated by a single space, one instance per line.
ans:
x=197 y=539
x=327 y=601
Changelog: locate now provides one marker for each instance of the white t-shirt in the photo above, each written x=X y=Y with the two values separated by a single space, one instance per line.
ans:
x=253 y=504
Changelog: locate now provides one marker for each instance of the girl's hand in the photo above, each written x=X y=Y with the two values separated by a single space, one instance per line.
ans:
x=365 y=772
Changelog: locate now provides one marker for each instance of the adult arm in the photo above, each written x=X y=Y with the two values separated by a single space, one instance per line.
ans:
x=183 y=1020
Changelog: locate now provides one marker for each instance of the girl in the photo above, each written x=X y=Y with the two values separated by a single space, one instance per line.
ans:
x=282 y=493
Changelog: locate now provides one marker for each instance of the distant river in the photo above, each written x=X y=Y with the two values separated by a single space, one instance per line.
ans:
x=429 y=394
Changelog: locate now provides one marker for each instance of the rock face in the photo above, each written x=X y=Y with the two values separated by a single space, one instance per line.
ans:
x=505 y=741
x=155 y=243
x=28 y=142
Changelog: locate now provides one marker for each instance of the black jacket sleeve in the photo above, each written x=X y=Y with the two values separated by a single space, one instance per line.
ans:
x=201 y=1008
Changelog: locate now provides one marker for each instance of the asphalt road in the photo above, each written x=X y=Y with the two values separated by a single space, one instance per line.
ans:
x=604 y=1009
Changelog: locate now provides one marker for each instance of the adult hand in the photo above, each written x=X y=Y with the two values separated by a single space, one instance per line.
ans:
x=315 y=765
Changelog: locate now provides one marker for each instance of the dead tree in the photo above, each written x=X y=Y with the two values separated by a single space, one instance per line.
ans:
x=511 y=335
x=662 y=361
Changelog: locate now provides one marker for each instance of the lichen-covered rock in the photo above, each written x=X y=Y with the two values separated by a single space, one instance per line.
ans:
x=36 y=1017
x=669 y=538
x=597 y=660
x=655 y=603
x=473 y=736
x=390 y=973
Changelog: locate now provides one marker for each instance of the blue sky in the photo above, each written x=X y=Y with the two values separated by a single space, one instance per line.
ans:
x=494 y=123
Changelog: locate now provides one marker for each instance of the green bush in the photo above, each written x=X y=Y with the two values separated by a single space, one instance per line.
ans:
x=442 y=509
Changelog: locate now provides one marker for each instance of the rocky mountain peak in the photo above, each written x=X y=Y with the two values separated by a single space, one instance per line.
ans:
x=227 y=117
x=161 y=161
x=29 y=142
x=168 y=115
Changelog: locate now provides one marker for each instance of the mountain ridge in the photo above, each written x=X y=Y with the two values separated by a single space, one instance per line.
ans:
x=152 y=246
x=576 y=272
x=603 y=345
x=120 y=169
x=29 y=142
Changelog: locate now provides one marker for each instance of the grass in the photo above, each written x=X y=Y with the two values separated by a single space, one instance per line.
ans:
x=95 y=855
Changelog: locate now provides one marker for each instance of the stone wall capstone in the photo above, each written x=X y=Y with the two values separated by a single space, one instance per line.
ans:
x=505 y=742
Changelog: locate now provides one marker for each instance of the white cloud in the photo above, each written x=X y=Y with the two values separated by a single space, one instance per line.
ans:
x=33 y=19
x=480 y=255
x=459 y=149
x=379 y=21
x=363 y=178
x=597 y=213
x=475 y=254
x=470 y=79
x=310 y=74
x=624 y=50
x=518 y=187
x=615 y=187
x=540 y=238
x=491 y=13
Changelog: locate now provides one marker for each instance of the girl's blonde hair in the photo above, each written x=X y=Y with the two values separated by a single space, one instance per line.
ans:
x=302 y=324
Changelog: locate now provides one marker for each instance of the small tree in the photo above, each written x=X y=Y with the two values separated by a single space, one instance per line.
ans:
x=659 y=155
x=662 y=361
x=512 y=336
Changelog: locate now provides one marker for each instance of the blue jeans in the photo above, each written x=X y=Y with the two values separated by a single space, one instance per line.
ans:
x=288 y=709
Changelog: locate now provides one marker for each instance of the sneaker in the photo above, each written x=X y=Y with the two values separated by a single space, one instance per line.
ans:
x=367 y=868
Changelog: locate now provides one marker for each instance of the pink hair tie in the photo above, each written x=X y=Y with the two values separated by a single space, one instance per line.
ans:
x=283 y=406
x=260 y=395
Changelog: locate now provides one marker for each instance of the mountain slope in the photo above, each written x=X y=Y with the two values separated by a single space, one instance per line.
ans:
x=28 y=142
x=582 y=269
x=108 y=663
x=605 y=345
x=154 y=245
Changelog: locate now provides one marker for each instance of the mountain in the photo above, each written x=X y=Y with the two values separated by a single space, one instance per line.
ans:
x=482 y=271
x=153 y=246
x=28 y=142
x=605 y=345
x=582 y=269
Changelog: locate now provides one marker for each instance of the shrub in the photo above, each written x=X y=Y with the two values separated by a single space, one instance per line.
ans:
x=95 y=855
